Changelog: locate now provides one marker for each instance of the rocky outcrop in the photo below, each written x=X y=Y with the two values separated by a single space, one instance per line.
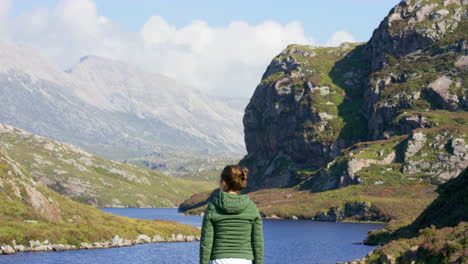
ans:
x=314 y=102
x=411 y=26
x=441 y=153
x=293 y=117
x=414 y=144
x=440 y=90
x=355 y=165
x=413 y=40
x=361 y=211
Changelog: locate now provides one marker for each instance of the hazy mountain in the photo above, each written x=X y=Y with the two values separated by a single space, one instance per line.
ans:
x=111 y=108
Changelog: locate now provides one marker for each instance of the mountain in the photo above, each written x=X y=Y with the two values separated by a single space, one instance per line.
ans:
x=118 y=87
x=35 y=218
x=86 y=178
x=313 y=103
x=111 y=108
x=363 y=124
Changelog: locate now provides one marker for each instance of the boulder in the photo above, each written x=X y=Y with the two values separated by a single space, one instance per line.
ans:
x=7 y=249
x=440 y=91
x=415 y=144
x=116 y=241
x=33 y=243
x=157 y=238
x=143 y=239
x=19 y=248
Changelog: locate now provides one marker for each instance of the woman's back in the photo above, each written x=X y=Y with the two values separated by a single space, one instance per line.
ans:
x=232 y=229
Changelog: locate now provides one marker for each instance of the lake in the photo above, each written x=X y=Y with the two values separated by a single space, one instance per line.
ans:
x=286 y=241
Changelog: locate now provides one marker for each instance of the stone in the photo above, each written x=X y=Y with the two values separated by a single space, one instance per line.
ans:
x=60 y=247
x=157 y=238
x=439 y=14
x=440 y=88
x=19 y=248
x=85 y=245
x=190 y=238
x=423 y=13
x=462 y=62
x=7 y=249
x=33 y=243
x=450 y=2
x=116 y=241
x=460 y=149
x=143 y=239
x=414 y=145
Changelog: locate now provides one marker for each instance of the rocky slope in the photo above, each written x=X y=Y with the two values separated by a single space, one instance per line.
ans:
x=83 y=177
x=328 y=124
x=112 y=109
x=35 y=218
x=314 y=103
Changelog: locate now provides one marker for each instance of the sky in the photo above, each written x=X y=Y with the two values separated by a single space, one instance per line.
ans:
x=219 y=47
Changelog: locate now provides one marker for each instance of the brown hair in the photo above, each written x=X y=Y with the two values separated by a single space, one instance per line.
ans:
x=235 y=177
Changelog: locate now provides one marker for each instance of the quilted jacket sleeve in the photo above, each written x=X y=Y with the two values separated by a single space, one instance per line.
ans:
x=257 y=239
x=207 y=234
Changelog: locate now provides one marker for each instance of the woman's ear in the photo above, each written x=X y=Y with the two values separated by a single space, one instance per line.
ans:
x=222 y=185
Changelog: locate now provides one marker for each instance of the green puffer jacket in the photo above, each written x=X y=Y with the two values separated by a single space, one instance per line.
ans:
x=232 y=228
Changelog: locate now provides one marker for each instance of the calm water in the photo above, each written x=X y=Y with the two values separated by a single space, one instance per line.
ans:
x=286 y=241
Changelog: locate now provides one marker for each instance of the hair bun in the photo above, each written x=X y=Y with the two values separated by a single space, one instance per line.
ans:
x=245 y=171
x=235 y=177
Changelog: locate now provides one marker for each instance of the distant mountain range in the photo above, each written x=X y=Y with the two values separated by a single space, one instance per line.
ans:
x=114 y=109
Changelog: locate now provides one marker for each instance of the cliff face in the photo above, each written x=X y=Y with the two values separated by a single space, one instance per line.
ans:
x=304 y=111
x=315 y=102
x=419 y=62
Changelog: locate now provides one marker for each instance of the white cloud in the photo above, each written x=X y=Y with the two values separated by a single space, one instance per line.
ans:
x=226 y=60
x=340 y=37
x=5 y=6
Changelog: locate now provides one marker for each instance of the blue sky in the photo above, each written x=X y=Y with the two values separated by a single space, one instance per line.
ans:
x=319 y=18
x=220 y=47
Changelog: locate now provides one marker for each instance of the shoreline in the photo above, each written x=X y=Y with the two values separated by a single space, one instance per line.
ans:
x=34 y=246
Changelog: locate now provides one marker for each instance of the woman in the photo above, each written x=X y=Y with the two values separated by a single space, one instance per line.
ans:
x=232 y=230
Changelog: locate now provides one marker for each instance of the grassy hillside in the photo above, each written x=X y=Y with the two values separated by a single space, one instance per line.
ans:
x=93 y=180
x=438 y=235
x=30 y=211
